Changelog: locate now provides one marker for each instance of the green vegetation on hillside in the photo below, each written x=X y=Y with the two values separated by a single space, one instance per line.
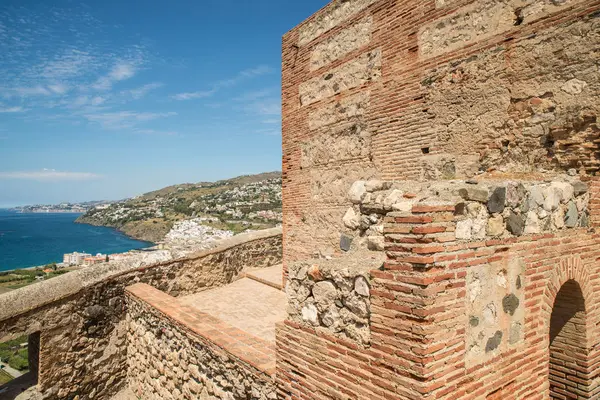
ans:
x=15 y=353
x=238 y=204
x=10 y=280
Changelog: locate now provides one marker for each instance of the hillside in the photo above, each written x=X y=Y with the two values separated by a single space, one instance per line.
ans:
x=237 y=204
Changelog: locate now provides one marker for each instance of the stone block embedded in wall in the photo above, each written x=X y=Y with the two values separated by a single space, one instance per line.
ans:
x=481 y=20
x=334 y=14
x=495 y=306
x=336 y=47
x=338 y=145
x=365 y=68
x=349 y=109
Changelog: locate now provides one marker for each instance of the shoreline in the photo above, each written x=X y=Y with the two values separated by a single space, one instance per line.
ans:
x=147 y=245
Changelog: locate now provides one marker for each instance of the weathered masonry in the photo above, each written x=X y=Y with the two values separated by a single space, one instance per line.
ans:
x=440 y=201
x=440 y=240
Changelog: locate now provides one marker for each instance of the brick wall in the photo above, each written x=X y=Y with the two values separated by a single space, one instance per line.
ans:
x=422 y=326
x=413 y=89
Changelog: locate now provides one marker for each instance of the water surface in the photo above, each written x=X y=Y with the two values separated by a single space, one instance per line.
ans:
x=28 y=240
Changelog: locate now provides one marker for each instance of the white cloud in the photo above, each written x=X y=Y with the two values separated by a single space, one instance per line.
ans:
x=218 y=85
x=194 y=95
x=31 y=91
x=70 y=63
x=49 y=175
x=119 y=72
x=58 y=88
x=12 y=109
x=125 y=119
x=142 y=91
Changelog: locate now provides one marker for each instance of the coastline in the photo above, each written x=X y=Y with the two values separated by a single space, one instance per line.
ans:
x=142 y=245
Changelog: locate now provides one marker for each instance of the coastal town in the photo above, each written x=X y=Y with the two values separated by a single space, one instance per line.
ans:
x=67 y=208
x=240 y=204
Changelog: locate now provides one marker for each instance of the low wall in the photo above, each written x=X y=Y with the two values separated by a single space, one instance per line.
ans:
x=176 y=354
x=81 y=315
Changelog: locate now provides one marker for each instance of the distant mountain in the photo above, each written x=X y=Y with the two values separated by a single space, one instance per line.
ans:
x=237 y=204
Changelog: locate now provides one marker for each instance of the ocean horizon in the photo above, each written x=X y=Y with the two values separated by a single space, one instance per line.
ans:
x=33 y=239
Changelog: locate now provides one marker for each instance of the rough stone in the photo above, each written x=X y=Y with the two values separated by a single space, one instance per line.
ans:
x=532 y=223
x=331 y=317
x=393 y=198
x=474 y=193
x=403 y=206
x=510 y=303
x=494 y=342
x=355 y=303
x=497 y=200
x=351 y=219
x=515 y=224
x=325 y=293
x=536 y=197
x=552 y=198
x=514 y=335
x=375 y=185
x=515 y=194
x=345 y=242
x=357 y=192
x=579 y=188
x=463 y=229
x=566 y=189
x=558 y=219
x=571 y=216
x=495 y=226
x=584 y=221
x=310 y=314
x=376 y=243
x=361 y=286
x=574 y=86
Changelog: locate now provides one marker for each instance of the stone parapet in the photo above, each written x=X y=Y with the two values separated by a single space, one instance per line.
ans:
x=177 y=352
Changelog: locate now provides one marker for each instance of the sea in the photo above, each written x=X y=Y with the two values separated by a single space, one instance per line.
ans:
x=33 y=239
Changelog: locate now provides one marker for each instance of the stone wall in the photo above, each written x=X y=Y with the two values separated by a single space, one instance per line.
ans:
x=429 y=90
x=167 y=361
x=332 y=296
x=81 y=315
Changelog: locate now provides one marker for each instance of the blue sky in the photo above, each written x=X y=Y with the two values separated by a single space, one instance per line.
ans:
x=109 y=99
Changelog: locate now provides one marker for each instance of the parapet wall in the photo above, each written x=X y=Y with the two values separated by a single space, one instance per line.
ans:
x=81 y=315
x=431 y=90
x=177 y=353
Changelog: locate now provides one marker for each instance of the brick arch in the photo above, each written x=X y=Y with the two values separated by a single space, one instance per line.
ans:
x=569 y=298
x=570 y=268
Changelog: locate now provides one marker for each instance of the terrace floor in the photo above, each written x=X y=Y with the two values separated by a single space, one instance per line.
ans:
x=252 y=304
